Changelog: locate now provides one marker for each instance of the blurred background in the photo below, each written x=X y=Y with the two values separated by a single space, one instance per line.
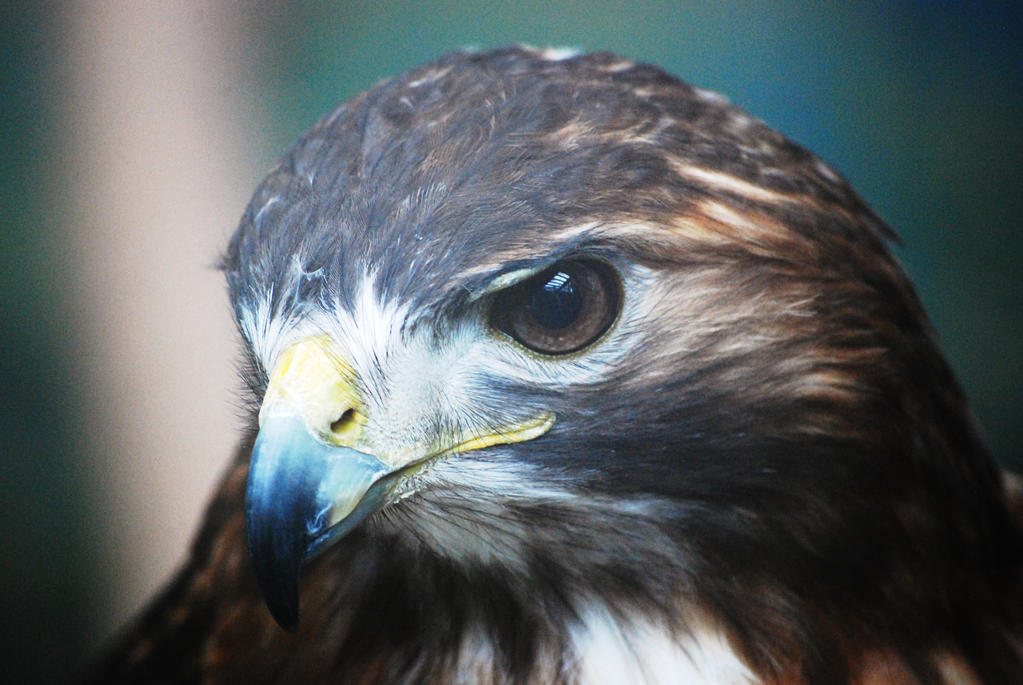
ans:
x=134 y=132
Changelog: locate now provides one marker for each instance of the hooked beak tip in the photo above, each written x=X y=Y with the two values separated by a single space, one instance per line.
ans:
x=294 y=483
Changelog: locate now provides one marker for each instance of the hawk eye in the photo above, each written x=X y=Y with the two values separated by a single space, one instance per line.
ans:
x=560 y=310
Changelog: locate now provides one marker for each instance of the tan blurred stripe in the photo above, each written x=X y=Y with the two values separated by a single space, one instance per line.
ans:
x=161 y=138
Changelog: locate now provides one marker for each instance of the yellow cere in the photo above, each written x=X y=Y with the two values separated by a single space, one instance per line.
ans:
x=313 y=380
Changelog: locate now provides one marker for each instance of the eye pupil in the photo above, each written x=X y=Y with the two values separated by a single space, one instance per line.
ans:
x=561 y=310
x=557 y=304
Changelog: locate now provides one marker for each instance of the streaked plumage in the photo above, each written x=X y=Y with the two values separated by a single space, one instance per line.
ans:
x=761 y=470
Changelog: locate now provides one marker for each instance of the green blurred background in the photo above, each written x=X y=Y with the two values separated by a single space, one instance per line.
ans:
x=919 y=104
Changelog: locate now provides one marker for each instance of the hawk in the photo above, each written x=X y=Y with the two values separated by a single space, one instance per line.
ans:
x=565 y=371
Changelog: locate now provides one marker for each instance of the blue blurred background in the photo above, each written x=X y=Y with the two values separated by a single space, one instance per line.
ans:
x=133 y=133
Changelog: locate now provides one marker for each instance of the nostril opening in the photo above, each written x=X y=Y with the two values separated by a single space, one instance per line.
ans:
x=344 y=421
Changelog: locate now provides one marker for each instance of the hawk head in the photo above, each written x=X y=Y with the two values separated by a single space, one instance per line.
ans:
x=537 y=338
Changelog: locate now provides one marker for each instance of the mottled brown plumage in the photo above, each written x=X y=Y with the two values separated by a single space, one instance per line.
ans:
x=766 y=447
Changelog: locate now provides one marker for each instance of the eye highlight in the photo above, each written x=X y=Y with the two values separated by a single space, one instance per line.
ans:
x=560 y=310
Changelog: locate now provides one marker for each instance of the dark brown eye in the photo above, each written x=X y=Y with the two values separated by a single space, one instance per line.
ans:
x=560 y=310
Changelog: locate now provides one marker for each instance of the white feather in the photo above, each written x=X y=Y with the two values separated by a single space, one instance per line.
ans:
x=641 y=653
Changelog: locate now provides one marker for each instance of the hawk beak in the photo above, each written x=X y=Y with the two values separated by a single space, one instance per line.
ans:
x=314 y=475
x=307 y=484
x=302 y=495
